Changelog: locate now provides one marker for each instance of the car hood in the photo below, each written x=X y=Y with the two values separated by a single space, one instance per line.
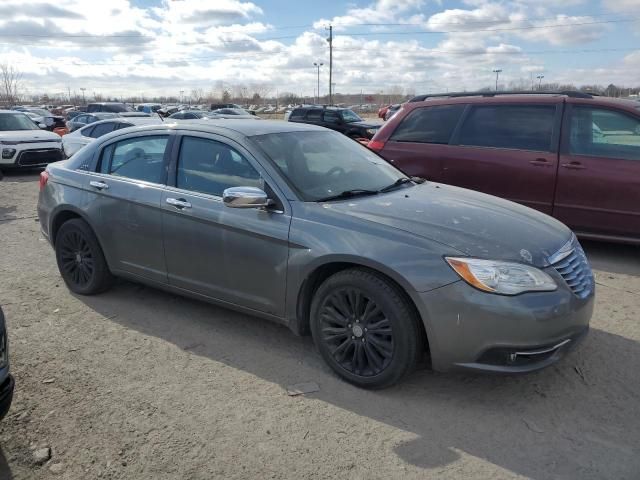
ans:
x=473 y=223
x=28 y=136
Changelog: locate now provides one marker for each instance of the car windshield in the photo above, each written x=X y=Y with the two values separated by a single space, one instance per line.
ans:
x=16 y=121
x=320 y=165
x=349 y=116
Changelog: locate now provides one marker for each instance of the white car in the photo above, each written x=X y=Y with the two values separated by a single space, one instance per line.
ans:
x=24 y=144
x=74 y=141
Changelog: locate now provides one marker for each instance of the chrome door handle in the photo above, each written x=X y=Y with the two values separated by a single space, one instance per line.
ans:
x=540 y=162
x=178 y=203
x=574 y=166
x=98 y=185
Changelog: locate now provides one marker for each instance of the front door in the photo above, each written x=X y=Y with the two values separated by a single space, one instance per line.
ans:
x=129 y=186
x=234 y=255
x=598 y=188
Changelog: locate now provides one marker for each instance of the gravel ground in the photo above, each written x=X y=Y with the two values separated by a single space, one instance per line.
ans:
x=140 y=384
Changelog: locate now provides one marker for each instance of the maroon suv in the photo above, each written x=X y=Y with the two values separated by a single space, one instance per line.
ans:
x=571 y=155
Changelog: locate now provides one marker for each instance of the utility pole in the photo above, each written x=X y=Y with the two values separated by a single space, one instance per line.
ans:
x=330 y=40
x=497 y=72
x=83 y=101
x=318 y=65
x=540 y=77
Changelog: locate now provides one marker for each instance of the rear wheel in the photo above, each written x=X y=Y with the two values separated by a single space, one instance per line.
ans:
x=80 y=258
x=365 y=328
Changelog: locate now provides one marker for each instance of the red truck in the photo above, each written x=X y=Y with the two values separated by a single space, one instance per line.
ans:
x=572 y=155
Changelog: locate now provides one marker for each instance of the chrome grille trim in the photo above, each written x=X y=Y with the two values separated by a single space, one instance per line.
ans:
x=572 y=264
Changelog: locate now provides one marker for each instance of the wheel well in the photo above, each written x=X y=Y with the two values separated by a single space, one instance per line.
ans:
x=58 y=220
x=319 y=275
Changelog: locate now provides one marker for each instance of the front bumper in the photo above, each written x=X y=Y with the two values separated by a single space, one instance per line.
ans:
x=6 y=395
x=32 y=155
x=472 y=330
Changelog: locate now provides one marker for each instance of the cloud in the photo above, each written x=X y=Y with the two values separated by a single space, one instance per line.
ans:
x=382 y=11
x=46 y=10
x=207 y=12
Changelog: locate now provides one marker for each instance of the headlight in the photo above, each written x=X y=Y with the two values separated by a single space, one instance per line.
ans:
x=372 y=131
x=8 y=153
x=506 y=278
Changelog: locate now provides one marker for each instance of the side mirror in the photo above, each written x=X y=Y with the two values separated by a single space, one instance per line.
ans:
x=42 y=125
x=245 y=197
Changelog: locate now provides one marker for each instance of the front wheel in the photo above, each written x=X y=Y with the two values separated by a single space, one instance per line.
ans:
x=365 y=328
x=80 y=258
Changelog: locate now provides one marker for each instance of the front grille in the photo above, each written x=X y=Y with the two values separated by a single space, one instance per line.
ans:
x=32 y=158
x=575 y=269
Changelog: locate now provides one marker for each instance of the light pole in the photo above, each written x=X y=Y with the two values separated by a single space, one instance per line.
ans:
x=83 y=101
x=497 y=71
x=181 y=92
x=318 y=65
x=540 y=77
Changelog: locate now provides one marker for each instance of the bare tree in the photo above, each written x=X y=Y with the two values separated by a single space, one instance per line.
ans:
x=10 y=79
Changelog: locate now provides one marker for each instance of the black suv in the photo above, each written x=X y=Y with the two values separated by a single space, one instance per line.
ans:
x=342 y=120
x=111 y=107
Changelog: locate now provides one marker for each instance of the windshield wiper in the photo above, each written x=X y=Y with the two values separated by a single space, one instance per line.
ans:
x=397 y=183
x=348 y=194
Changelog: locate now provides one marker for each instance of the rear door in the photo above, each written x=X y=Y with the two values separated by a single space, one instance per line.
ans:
x=129 y=185
x=598 y=188
x=508 y=150
x=234 y=255
x=332 y=119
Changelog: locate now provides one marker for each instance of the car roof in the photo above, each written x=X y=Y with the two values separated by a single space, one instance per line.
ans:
x=239 y=127
x=131 y=120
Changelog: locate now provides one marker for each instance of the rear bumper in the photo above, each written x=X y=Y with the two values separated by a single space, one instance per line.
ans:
x=472 y=330
x=6 y=395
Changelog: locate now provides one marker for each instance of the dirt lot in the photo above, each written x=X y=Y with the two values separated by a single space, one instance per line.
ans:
x=140 y=384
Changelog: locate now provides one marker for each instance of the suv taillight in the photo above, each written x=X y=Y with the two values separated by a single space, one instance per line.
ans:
x=44 y=178
x=376 y=145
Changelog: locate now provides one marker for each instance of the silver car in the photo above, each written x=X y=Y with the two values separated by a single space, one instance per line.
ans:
x=305 y=227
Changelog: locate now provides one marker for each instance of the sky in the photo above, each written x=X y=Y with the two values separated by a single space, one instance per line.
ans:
x=163 y=47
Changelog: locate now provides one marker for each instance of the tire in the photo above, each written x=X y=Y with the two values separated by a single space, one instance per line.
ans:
x=376 y=347
x=80 y=259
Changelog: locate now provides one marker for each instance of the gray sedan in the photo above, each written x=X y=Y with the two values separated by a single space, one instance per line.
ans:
x=305 y=227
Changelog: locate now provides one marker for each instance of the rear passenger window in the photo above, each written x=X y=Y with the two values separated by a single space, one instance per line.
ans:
x=314 y=114
x=521 y=127
x=210 y=167
x=429 y=124
x=86 y=132
x=140 y=158
x=605 y=133
x=101 y=129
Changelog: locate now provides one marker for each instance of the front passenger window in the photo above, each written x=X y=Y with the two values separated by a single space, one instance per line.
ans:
x=210 y=167
x=139 y=158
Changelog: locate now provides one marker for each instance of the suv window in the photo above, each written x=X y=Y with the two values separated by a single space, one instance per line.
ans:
x=314 y=114
x=522 y=127
x=208 y=166
x=429 y=124
x=331 y=117
x=297 y=114
x=140 y=158
x=601 y=132
x=100 y=130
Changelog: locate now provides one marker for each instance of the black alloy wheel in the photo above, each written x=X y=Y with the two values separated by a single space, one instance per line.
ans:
x=77 y=262
x=80 y=258
x=366 y=328
x=358 y=333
